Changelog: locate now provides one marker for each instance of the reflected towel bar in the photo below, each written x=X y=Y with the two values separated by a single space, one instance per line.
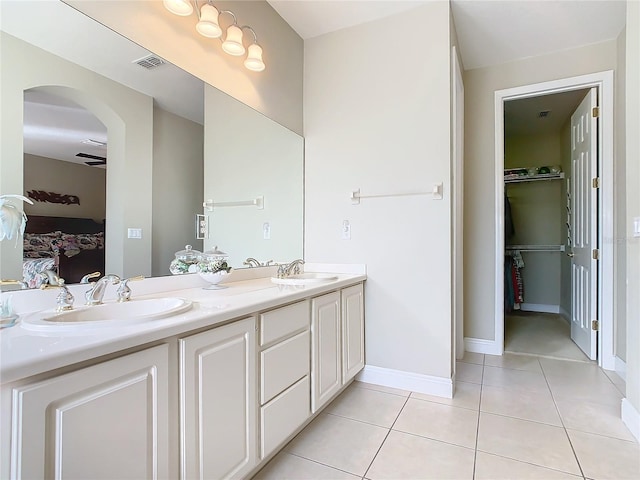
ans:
x=535 y=248
x=257 y=202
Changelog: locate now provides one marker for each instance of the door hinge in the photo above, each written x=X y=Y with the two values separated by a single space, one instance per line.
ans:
x=595 y=182
x=595 y=113
x=595 y=325
x=595 y=254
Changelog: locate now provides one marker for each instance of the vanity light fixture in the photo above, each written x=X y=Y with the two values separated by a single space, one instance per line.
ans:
x=209 y=26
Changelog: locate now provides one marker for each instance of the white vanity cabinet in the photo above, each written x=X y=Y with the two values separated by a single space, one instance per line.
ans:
x=337 y=346
x=284 y=373
x=106 y=421
x=218 y=426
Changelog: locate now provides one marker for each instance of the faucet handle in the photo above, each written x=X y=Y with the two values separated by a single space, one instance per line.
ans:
x=89 y=276
x=64 y=300
x=124 y=292
x=52 y=278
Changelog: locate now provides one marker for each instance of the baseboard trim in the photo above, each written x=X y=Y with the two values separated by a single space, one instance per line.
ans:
x=480 y=345
x=621 y=368
x=414 y=382
x=540 y=308
x=631 y=418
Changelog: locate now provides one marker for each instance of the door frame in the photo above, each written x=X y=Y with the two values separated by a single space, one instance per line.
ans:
x=603 y=81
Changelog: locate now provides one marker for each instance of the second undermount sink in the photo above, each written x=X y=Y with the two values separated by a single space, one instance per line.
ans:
x=305 y=279
x=110 y=314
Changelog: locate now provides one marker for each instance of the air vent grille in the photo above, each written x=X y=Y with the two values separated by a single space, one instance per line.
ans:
x=98 y=159
x=149 y=62
x=544 y=113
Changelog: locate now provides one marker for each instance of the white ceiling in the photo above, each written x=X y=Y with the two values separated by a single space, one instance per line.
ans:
x=490 y=32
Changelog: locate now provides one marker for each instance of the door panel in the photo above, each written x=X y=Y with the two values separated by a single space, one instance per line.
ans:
x=584 y=168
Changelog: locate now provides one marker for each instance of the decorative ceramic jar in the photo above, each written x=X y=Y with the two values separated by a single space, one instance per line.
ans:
x=213 y=267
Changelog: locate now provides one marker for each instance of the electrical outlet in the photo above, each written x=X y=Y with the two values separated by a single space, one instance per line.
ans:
x=266 y=231
x=636 y=227
x=346 y=230
x=202 y=227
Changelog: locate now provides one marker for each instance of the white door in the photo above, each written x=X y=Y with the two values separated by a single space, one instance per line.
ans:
x=584 y=226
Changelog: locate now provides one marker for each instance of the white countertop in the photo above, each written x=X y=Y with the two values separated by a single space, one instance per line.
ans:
x=24 y=352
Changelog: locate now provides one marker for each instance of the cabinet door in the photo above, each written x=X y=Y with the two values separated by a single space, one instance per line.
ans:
x=101 y=422
x=326 y=371
x=352 y=332
x=218 y=404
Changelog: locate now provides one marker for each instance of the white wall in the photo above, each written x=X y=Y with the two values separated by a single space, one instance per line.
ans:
x=276 y=92
x=479 y=237
x=66 y=178
x=377 y=117
x=633 y=205
x=177 y=186
x=128 y=116
x=620 y=250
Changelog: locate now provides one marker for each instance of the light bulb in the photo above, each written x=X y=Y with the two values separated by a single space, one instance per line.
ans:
x=208 y=25
x=254 y=61
x=233 y=43
x=179 y=7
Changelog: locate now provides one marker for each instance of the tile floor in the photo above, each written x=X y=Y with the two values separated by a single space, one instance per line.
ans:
x=513 y=417
x=547 y=334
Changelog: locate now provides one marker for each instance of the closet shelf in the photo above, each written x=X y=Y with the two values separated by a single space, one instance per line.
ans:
x=533 y=178
x=535 y=248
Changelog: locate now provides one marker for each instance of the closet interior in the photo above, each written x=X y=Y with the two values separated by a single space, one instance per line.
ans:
x=537 y=163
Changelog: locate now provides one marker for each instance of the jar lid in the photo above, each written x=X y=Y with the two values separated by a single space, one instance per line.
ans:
x=213 y=254
x=188 y=254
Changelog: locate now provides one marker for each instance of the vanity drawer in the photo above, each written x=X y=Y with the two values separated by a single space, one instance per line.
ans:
x=284 y=364
x=283 y=415
x=282 y=322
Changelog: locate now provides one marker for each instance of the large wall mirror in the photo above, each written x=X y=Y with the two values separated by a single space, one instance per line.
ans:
x=154 y=138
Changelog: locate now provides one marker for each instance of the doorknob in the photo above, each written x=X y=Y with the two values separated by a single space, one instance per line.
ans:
x=570 y=254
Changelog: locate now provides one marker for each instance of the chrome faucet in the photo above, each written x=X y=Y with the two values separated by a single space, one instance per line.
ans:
x=64 y=300
x=96 y=294
x=292 y=268
x=252 y=262
x=123 y=293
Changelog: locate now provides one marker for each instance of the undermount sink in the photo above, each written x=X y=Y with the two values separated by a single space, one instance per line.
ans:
x=110 y=314
x=304 y=279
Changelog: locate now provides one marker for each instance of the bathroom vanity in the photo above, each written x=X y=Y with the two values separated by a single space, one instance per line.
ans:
x=213 y=392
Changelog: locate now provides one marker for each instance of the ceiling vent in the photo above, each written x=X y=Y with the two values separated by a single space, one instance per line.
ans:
x=149 y=62
x=544 y=113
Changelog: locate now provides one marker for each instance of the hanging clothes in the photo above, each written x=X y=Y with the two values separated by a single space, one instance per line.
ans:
x=513 y=284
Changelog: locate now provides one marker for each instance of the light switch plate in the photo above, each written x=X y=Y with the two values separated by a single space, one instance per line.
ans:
x=636 y=227
x=135 y=233
x=266 y=231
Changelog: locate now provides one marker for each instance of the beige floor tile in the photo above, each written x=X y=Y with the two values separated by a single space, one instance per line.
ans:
x=568 y=388
x=617 y=380
x=513 y=361
x=530 y=442
x=381 y=388
x=439 y=422
x=595 y=418
x=290 y=467
x=585 y=371
x=339 y=442
x=540 y=334
x=472 y=357
x=370 y=406
x=534 y=406
x=515 y=379
x=606 y=458
x=467 y=395
x=492 y=467
x=405 y=456
x=468 y=372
